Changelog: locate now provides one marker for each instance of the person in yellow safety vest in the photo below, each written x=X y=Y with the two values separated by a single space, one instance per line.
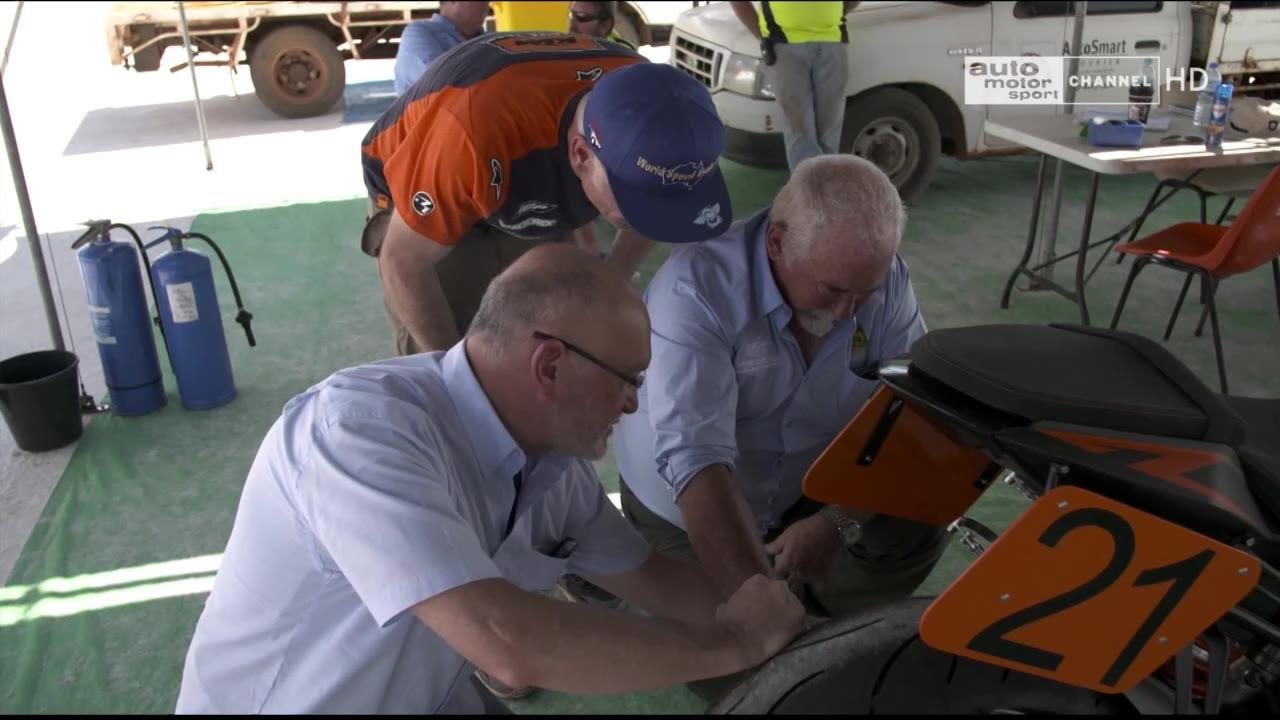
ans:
x=804 y=49
x=597 y=19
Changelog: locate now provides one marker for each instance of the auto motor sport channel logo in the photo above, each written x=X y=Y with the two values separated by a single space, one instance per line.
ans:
x=1098 y=80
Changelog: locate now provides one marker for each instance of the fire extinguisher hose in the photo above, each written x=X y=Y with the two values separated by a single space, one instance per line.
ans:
x=244 y=317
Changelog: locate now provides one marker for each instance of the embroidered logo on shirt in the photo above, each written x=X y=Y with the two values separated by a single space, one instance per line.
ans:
x=709 y=216
x=496 y=181
x=590 y=75
x=858 y=352
x=423 y=204
x=529 y=207
x=755 y=355
x=526 y=223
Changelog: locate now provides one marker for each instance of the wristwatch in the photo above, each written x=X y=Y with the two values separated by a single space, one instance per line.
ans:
x=850 y=529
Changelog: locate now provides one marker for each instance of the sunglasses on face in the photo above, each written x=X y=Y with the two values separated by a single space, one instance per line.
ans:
x=635 y=382
x=583 y=17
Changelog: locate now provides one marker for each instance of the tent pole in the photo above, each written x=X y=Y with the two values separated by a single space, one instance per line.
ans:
x=13 y=32
x=29 y=221
x=191 y=65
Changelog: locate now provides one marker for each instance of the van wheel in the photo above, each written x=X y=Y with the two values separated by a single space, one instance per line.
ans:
x=895 y=130
x=874 y=662
x=297 y=71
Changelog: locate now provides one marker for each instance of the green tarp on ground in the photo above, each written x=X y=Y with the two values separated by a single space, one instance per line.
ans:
x=99 y=610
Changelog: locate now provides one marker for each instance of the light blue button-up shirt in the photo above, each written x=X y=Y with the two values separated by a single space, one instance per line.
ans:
x=421 y=43
x=381 y=487
x=728 y=384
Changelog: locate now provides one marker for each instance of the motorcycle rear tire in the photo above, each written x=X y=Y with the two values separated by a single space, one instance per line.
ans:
x=875 y=662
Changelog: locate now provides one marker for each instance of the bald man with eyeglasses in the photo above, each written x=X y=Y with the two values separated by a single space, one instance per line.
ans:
x=402 y=518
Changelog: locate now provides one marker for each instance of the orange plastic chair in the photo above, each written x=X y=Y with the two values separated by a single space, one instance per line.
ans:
x=1214 y=253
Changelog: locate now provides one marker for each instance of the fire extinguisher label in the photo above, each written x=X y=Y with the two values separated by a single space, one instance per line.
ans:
x=182 y=302
x=101 y=318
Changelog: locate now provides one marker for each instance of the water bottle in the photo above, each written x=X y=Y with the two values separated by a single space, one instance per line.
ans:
x=1204 y=103
x=1141 y=94
x=1217 y=124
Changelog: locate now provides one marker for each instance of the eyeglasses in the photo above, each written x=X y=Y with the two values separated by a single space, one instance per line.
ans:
x=585 y=18
x=635 y=382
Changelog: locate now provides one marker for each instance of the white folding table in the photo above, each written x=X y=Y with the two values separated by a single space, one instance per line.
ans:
x=1058 y=136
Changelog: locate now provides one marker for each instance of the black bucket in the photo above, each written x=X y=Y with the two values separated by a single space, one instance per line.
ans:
x=39 y=400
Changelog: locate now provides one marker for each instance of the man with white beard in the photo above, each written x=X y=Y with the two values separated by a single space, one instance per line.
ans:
x=765 y=343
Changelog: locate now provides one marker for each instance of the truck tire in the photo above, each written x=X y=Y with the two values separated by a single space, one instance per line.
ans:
x=895 y=130
x=875 y=662
x=297 y=71
x=149 y=59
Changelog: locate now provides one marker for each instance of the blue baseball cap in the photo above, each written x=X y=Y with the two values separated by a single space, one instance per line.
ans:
x=659 y=138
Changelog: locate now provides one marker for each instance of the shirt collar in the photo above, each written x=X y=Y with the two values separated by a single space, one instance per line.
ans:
x=768 y=298
x=449 y=26
x=490 y=439
x=492 y=443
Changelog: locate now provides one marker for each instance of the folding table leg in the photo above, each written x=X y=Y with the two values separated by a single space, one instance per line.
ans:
x=1031 y=234
x=1225 y=209
x=1082 y=258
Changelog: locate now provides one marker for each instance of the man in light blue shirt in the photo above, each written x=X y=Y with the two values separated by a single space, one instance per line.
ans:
x=423 y=41
x=765 y=345
x=401 y=516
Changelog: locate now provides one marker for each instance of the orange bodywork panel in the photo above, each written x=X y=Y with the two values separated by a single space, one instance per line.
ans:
x=1088 y=592
x=916 y=470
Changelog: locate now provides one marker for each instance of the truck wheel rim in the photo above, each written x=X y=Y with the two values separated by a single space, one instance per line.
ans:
x=298 y=74
x=892 y=145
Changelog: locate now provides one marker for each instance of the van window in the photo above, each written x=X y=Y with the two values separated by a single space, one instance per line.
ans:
x=1059 y=9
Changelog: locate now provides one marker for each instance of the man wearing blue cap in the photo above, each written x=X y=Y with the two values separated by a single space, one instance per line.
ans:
x=516 y=139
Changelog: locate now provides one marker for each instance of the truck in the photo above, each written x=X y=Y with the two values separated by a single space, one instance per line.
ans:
x=905 y=105
x=296 y=50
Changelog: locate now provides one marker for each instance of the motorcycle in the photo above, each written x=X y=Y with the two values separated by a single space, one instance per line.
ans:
x=1141 y=577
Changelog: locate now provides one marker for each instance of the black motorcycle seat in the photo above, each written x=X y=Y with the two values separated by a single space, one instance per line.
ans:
x=1106 y=379
x=1084 y=376
x=1260 y=451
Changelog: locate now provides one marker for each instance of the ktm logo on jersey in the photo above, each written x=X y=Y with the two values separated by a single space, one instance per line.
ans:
x=531 y=43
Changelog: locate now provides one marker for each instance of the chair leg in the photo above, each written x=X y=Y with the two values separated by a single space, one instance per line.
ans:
x=1205 y=290
x=1204 y=207
x=1217 y=339
x=1142 y=218
x=1138 y=264
x=1225 y=209
x=1275 y=275
x=1177 y=307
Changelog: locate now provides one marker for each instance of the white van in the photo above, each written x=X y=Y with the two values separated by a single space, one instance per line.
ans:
x=906 y=84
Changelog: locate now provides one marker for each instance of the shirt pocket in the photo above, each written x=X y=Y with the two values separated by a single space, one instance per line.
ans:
x=851 y=395
x=525 y=567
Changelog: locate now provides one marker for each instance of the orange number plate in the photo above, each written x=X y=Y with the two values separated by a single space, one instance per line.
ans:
x=916 y=471
x=1089 y=592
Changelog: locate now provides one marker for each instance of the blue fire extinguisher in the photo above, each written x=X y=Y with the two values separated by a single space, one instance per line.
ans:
x=118 y=311
x=191 y=321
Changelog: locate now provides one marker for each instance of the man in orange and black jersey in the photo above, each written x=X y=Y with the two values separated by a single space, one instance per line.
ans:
x=515 y=139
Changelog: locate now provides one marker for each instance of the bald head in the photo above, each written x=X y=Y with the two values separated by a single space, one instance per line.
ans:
x=565 y=389
x=561 y=290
